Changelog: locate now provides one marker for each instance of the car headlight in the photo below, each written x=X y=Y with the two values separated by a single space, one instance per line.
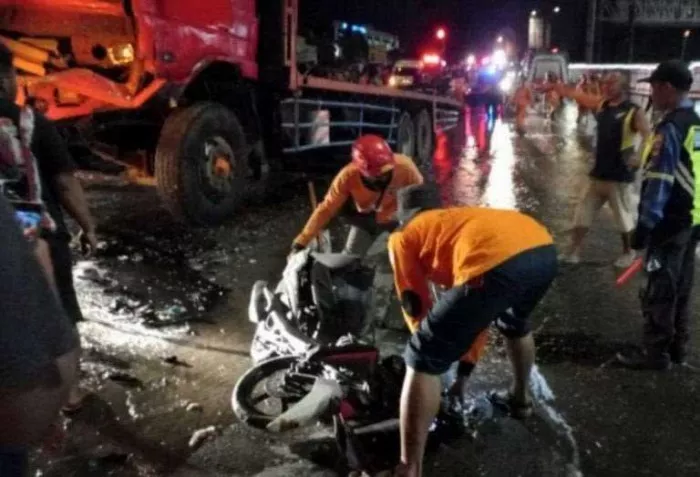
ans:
x=393 y=81
x=506 y=85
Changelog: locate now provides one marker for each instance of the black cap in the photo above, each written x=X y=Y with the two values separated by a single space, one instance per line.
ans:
x=414 y=199
x=674 y=72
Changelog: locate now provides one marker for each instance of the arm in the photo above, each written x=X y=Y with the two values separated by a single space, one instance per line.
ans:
x=641 y=125
x=56 y=165
x=325 y=212
x=659 y=178
x=587 y=100
x=72 y=198
x=411 y=284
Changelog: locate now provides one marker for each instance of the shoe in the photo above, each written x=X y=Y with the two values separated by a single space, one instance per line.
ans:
x=570 y=258
x=642 y=361
x=506 y=401
x=626 y=260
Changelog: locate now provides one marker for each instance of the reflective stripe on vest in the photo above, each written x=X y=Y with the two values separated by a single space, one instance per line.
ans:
x=690 y=180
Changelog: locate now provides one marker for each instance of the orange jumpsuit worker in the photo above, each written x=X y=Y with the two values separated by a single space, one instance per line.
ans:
x=553 y=98
x=522 y=98
x=498 y=265
x=364 y=192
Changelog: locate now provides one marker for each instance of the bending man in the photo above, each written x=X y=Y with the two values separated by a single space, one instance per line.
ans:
x=364 y=192
x=497 y=265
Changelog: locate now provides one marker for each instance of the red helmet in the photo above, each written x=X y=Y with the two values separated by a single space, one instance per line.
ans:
x=372 y=155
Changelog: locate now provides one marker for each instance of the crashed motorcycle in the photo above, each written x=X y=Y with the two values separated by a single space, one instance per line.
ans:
x=307 y=357
x=320 y=299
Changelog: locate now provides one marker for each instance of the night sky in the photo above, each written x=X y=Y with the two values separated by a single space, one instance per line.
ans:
x=471 y=24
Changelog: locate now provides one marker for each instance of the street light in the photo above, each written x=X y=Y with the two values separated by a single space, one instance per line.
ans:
x=533 y=13
x=686 y=35
x=440 y=34
x=500 y=39
x=557 y=9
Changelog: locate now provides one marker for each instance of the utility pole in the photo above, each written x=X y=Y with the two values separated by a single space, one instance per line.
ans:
x=590 y=31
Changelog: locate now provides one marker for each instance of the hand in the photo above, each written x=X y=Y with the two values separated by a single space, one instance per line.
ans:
x=294 y=249
x=88 y=243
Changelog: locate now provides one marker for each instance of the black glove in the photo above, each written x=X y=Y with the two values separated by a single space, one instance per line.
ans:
x=640 y=238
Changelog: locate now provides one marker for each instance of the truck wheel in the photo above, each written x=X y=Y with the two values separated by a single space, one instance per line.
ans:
x=424 y=140
x=200 y=164
x=406 y=136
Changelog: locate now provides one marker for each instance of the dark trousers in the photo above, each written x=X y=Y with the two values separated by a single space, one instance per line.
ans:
x=666 y=298
x=63 y=274
x=508 y=296
x=14 y=463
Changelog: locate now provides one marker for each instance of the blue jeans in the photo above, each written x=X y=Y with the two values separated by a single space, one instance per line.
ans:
x=509 y=294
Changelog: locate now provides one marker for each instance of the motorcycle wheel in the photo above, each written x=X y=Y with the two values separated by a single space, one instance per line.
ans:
x=243 y=400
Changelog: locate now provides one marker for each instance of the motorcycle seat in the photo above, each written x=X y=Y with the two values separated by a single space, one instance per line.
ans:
x=335 y=261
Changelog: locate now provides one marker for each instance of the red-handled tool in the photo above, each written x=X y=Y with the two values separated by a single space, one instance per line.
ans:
x=631 y=271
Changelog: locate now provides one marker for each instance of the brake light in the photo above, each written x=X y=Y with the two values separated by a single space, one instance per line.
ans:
x=431 y=59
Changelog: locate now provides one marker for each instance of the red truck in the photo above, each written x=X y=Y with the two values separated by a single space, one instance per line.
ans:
x=201 y=100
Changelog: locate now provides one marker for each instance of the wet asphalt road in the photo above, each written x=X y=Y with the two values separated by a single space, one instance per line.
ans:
x=167 y=336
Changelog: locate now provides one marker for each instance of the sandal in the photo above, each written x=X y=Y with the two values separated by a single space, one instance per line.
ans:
x=505 y=400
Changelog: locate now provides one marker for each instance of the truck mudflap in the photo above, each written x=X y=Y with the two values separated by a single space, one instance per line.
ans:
x=98 y=92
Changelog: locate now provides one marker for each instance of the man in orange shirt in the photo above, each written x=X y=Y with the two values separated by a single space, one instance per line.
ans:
x=498 y=265
x=364 y=192
x=522 y=100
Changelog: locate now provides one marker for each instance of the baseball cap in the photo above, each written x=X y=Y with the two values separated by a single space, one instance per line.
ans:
x=673 y=72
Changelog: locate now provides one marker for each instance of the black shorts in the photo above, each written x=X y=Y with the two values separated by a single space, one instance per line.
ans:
x=508 y=295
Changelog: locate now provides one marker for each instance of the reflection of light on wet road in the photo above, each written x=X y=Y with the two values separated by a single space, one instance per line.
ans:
x=500 y=189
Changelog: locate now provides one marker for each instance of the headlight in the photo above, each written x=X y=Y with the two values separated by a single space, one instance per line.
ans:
x=122 y=54
x=393 y=81
x=506 y=84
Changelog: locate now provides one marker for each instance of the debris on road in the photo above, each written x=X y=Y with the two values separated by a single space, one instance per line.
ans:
x=202 y=435
x=194 y=407
x=124 y=379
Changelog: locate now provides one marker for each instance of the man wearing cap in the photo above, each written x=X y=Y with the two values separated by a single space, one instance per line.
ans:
x=364 y=192
x=497 y=265
x=669 y=215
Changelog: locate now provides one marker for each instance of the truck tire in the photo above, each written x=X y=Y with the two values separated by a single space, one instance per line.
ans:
x=200 y=163
x=406 y=136
x=424 y=140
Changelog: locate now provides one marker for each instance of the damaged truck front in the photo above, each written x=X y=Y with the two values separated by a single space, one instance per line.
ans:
x=162 y=88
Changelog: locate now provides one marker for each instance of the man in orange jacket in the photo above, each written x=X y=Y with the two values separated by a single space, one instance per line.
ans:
x=522 y=100
x=364 y=192
x=498 y=265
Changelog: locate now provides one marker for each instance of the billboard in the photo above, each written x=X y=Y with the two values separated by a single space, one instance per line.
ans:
x=652 y=12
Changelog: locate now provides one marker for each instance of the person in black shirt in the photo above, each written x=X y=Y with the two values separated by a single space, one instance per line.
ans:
x=60 y=188
x=616 y=162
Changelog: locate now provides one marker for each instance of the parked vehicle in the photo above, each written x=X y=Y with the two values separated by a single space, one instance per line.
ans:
x=191 y=100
